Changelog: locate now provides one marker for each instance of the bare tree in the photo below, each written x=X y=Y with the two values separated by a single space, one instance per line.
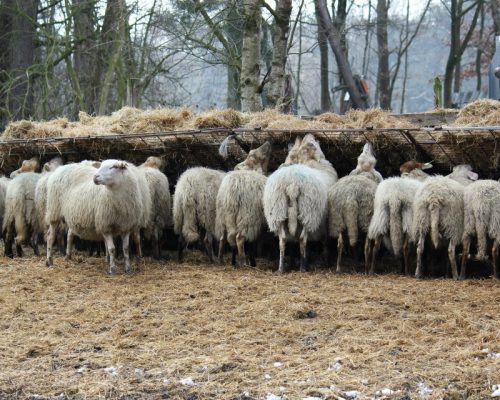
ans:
x=326 y=102
x=334 y=38
x=458 y=10
x=276 y=90
x=250 y=57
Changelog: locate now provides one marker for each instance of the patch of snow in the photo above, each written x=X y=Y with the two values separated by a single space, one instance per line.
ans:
x=139 y=372
x=312 y=398
x=335 y=366
x=333 y=387
x=203 y=368
x=352 y=394
x=486 y=350
x=494 y=356
x=187 y=381
x=111 y=370
x=364 y=381
x=267 y=376
x=424 y=390
x=271 y=396
x=385 y=392
x=278 y=364
x=496 y=391
x=282 y=388
x=166 y=381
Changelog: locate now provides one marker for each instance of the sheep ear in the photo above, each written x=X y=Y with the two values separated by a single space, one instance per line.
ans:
x=367 y=148
x=427 y=165
x=96 y=164
x=46 y=167
x=472 y=176
x=121 y=165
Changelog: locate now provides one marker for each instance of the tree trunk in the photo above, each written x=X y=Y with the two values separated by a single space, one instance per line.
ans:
x=326 y=102
x=495 y=11
x=383 y=76
x=250 y=58
x=334 y=38
x=19 y=31
x=479 y=51
x=457 y=80
x=457 y=47
x=83 y=12
x=276 y=90
x=234 y=32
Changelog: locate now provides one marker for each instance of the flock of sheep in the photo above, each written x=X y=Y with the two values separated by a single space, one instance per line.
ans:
x=302 y=201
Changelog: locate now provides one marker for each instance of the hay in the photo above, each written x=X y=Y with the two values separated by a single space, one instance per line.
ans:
x=484 y=112
x=374 y=118
x=273 y=119
x=73 y=330
x=227 y=118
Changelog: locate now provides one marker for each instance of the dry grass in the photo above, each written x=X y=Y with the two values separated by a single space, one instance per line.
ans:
x=74 y=330
x=484 y=112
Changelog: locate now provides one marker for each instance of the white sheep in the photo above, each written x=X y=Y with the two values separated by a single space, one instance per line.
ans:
x=30 y=165
x=350 y=203
x=194 y=206
x=4 y=182
x=439 y=210
x=20 y=211
x=295 y=199
x=161 y=213
x=481 y=219
x=98 y=204
x=239 y=210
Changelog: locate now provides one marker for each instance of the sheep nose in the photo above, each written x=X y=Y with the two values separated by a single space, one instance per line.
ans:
x=96 y=179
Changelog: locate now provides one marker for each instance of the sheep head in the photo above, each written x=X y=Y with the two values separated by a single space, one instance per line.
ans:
x=153 y=162
x=310 y=149
x=367 y=160
x=257 y=159
x=293 y=153
x=464 y=171
x=111 y=173
x=52 y=165
x=411 y=165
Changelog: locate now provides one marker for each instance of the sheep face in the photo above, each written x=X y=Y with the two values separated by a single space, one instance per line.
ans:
x=257 y=159
x=465 y=170
x=293 y=153
x=409 y=166
x=111 y=173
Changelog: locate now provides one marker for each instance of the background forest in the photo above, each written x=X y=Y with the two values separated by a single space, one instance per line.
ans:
x=58 y=57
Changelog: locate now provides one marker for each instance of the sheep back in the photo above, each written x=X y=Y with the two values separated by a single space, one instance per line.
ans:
x=239 y=205
x=350 y=206
x=195 y=202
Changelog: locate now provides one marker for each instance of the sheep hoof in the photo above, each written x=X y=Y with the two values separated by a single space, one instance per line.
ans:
x=67 y=258
x=48 y=262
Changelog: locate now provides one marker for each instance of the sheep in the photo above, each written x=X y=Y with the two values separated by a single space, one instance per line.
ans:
x=439 y=209
x=366 y=164
x=350 y=203
x=4 y=182
x=39 y=225
x=295 y=199
x=195 y=201
x=160 y=217
x=30 y=165
x=194 y=206
x=98 y=204
x=20 y=211
x=481 y=219
x=239 y=210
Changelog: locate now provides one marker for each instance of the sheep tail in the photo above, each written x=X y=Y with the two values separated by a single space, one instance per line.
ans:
x=395 y=226
x=185 y=221
x=292 y=192
x=351 y=222
x=434 y=214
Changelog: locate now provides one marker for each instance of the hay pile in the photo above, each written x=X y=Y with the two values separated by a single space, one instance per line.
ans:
x=194 y=331
x=484 y=112
x=132 y=120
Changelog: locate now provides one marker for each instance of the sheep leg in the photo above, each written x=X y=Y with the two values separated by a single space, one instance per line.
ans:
x=126 y=252
x=137 y=242
x=420 y=252
x=465 y=256
x=110 y=246
x=376 y=247
x=253 y=251
x=406 y=254
x=494 y=258
x=208 y=242
x=156 y=244
x=282 y=245
x=304 y=265
x=60 y=242
x=51 y=238
x=367 y=254
x=8 y=241
x=240 y=244
x=340 y=249
x=34 y=244
x=69 y=245
x=453 y=260
x=222 y=244
x=233 y=256
x=180 y=248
